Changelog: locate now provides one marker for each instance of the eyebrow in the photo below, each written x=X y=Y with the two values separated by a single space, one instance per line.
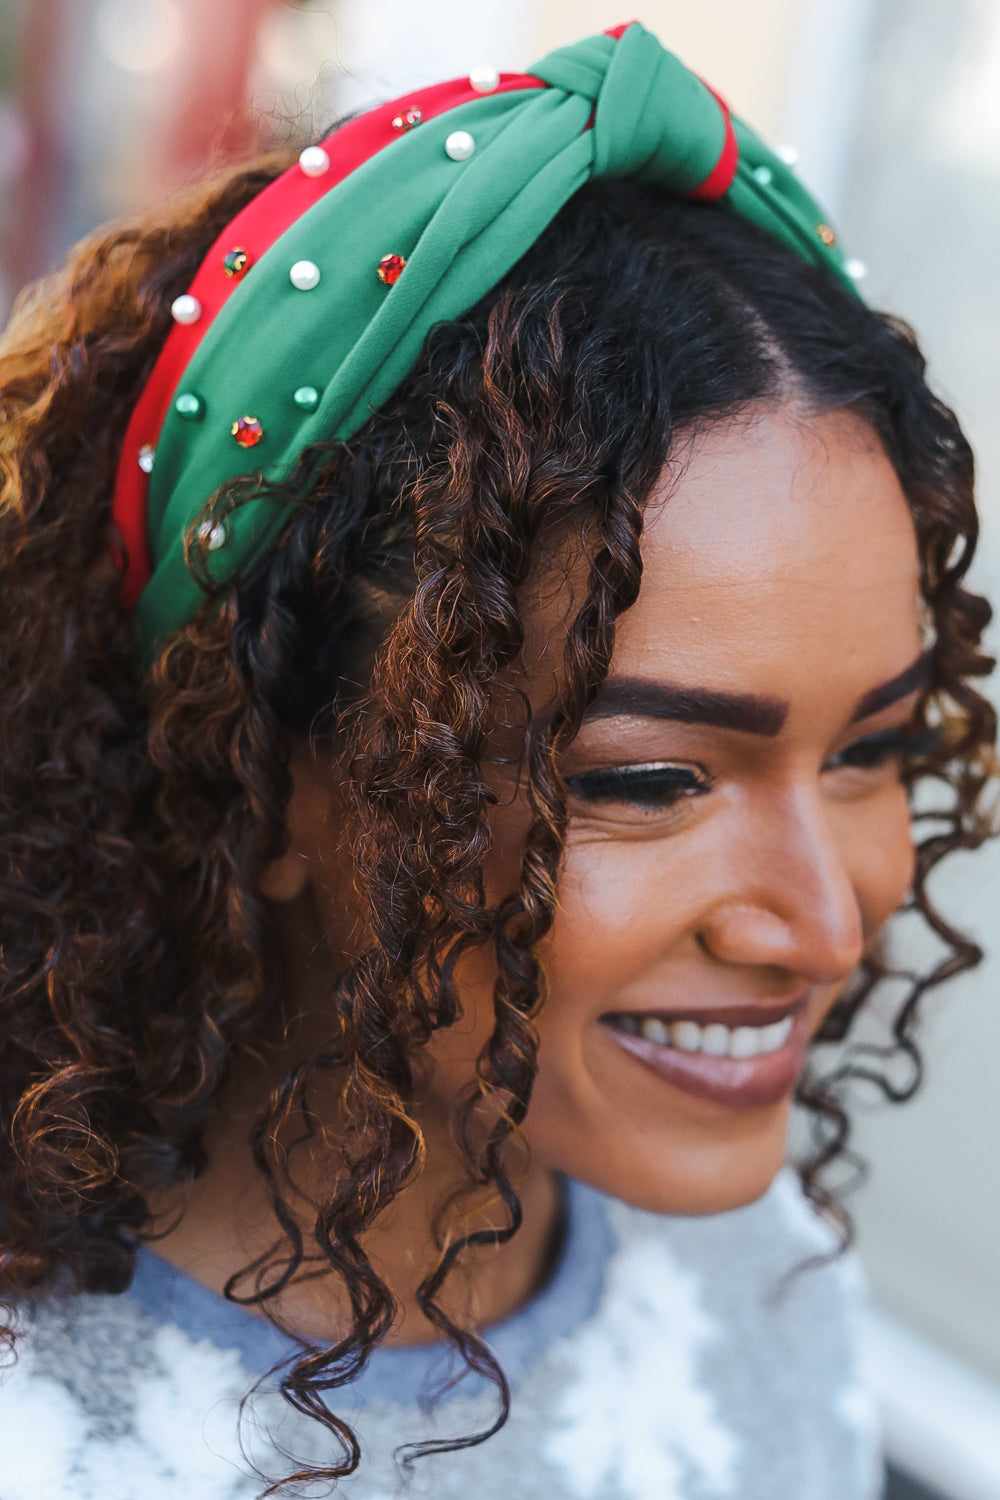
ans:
x=750 y=713
x=916 y=675
x=631 y=697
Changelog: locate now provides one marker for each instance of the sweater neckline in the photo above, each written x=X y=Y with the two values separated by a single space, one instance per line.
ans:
x=568 y=1298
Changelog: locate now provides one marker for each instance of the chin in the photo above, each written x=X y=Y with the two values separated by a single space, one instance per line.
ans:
x=688 y=1179
x=698 y=1199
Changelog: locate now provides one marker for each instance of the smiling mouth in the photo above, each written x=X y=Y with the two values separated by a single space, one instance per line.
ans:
x=743 y=1065
x=713 y=1038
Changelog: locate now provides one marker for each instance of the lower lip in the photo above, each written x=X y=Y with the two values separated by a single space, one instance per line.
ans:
x=740 y=1082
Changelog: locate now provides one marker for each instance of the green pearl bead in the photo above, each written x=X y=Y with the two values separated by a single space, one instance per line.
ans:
x=306 y=398
x=189 y=406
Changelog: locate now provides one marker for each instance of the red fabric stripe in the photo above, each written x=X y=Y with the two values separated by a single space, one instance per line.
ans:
x=255 y=229
x=617 y=32
x=719 y=180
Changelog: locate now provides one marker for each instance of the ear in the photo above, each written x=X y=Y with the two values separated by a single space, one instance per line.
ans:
x=285 y=878
x=312 y=829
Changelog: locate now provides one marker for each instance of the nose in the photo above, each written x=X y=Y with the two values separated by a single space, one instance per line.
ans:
x=793 y=902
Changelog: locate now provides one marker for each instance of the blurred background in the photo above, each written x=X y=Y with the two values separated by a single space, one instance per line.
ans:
x=894 y=108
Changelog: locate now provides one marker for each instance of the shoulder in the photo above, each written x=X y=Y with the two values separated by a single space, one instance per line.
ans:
x=101 y=1395
x=664 y=1358
x=661 y=1358
x=706 y=1356
x=767 y=1278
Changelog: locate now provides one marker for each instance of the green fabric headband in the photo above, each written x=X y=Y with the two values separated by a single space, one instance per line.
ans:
x=403 y=219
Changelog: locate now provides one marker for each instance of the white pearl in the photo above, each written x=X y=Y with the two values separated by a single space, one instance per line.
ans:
x=764 y=175
x=147 y=457
x=484 y=79
x=788 y=154
x=460 y=145
x=212 y=534
x=856 y=269
x=304 y=275
x=186 y=309
x=314 y=161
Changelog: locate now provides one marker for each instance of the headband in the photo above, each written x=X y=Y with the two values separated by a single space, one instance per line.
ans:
x=314 y=303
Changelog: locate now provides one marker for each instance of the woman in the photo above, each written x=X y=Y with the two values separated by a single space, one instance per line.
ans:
x=477 y=598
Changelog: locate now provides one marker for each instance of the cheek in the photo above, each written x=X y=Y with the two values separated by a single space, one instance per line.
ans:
x=877 y=840
x=623 y=908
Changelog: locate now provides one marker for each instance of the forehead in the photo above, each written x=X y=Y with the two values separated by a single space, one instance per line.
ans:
x=779 y=557
x=776 y=547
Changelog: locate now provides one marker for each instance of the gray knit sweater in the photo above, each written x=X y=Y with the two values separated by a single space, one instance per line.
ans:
x=654 y=1365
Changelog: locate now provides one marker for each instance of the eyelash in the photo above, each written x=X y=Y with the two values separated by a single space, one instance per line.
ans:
x=874 y=750
x=661 y=784
x=655 y=785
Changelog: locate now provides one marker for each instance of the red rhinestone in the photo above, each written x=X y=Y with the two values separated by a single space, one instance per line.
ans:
x=390 y=268
x=408 y=120
x=247 y=431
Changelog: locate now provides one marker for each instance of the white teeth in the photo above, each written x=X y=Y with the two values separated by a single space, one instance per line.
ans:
x=776 y=1035
x=686 y=1035
x=714 y=1039
x=744 y=1041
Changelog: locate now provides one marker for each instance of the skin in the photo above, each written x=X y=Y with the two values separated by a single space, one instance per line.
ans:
x=783 y=563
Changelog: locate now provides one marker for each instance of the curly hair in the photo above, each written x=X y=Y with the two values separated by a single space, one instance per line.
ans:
x=138 y=809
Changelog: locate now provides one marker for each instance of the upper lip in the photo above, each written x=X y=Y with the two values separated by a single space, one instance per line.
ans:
x=727 y=1015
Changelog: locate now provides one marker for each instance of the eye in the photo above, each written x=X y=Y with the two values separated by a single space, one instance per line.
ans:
x=657 y=784
x=873 y=751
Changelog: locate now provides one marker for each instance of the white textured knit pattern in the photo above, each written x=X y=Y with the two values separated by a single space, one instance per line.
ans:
x=685 y=1381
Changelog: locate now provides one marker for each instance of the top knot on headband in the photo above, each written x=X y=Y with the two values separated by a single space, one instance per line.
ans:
x=314 y=303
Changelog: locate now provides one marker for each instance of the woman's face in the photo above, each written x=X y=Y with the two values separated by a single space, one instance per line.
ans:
x=738 y=831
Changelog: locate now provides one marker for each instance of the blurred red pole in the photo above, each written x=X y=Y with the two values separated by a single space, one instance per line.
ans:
x=209 y=116
x=44 y=99
x=212 y=118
